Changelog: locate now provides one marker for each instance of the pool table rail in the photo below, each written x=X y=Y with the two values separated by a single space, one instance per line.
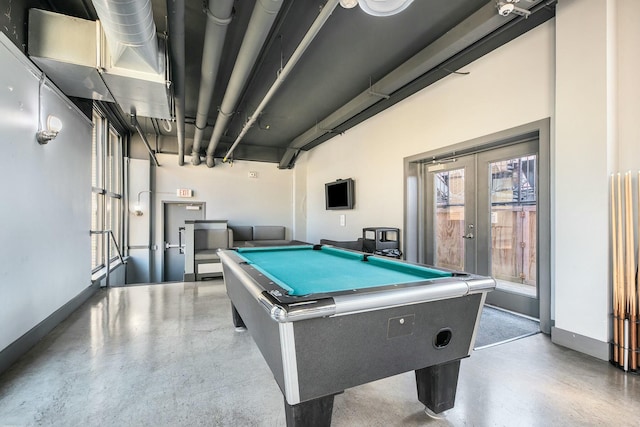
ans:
x=284 y=308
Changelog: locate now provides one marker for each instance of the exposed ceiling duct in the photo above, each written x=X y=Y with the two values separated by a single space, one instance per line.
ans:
x=218 y=19
x=357 y=65
x=262 y=18
x=131 y=32
x=134 y=73
x=317 y=25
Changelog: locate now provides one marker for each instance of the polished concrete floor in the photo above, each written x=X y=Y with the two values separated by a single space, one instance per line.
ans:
x=168 y=355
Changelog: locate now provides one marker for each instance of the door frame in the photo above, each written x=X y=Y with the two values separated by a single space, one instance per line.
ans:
x=163 y=233
x=414 y=203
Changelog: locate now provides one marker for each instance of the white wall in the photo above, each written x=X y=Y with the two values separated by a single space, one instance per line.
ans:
x=228 y=192
x=598 y=105
x=583 y=163
x=45 y=252
x=511 y=86
x=628 y=89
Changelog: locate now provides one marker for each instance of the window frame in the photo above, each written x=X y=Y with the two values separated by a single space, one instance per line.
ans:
x=108 y=201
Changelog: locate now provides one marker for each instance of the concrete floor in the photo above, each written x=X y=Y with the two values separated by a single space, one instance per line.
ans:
x=168 y=355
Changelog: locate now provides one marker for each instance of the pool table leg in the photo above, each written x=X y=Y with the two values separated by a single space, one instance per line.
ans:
x=237 y=320
x=316 y=412
x=437 y=385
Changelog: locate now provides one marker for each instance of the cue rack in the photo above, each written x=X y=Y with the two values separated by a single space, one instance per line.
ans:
x=625 y=276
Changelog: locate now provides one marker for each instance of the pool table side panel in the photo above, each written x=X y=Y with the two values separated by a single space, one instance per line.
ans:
x=340 y=352
x=264 y=330
x=477 y=326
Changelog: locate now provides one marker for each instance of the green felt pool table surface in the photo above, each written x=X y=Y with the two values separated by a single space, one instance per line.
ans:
x=304 y=270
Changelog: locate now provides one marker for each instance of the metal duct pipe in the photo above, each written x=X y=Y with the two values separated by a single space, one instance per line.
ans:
x=262 y=18
x=129 y=27
x=313 y=31
x=218 y=18
x=175 y=9
x=136 y=124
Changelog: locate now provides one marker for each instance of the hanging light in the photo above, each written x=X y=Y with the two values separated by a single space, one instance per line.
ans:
x=384 y=7
x=348 y=4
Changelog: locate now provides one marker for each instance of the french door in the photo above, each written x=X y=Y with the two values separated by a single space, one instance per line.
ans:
x=482 y=217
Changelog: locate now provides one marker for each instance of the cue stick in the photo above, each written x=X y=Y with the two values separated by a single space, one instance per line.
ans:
x=629 y=246
x=614 y=282
x=620 y=319
x=634 y=298
x=632 y=283
x=631 y=277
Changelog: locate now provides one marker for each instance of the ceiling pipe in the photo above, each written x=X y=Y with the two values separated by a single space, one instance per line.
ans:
x=175 y=11
x=313 y=31
x=262 y=18
x=218 y=19
x=136 y=124
x=130 y=30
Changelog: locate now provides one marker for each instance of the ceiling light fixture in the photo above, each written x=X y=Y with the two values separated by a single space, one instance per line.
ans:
x=384 y=7
x=348 y=4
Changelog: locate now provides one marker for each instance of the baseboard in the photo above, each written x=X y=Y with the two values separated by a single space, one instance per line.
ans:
x=19 y=347
x=577 y=342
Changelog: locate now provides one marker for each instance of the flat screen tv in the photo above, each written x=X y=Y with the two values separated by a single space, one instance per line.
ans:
x=340 y=194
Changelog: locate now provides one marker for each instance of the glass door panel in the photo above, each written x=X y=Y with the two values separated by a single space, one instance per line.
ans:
x=450 y=207
x=507 y=226
x=449 y=219
x=513 y=206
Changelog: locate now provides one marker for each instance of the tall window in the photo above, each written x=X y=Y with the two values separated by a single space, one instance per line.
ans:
x=106 y=187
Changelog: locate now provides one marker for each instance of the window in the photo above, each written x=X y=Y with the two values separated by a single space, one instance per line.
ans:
x=107 y=188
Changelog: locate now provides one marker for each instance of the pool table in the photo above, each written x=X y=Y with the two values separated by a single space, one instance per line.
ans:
x=326 y=319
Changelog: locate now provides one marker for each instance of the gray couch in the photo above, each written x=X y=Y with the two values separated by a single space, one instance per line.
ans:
x=258 y=235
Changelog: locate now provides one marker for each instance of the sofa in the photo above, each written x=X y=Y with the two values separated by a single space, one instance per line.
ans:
x=258 y=235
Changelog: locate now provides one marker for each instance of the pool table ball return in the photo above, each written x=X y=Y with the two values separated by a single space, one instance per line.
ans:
x=326 y=319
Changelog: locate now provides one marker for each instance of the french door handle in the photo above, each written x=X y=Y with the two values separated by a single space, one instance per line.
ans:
x=469 y=235
x=168 y=245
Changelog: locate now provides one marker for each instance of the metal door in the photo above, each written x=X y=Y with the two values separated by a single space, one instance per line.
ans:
x=175 y=215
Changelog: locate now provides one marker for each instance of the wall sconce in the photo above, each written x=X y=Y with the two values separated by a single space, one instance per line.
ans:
x=54 y=126
x=137 y=208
